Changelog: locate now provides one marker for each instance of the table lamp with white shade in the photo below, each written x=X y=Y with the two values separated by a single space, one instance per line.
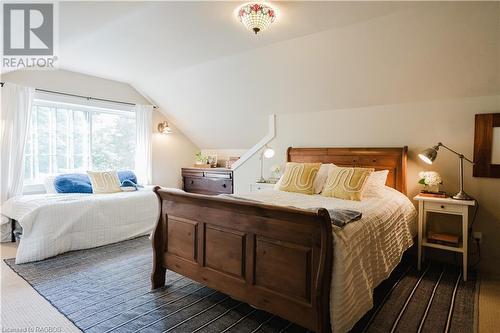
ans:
x=267 y=152
x=430 y=154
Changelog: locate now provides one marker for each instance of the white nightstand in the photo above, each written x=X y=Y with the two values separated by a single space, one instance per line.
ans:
x=443 y=206
x=261 y=186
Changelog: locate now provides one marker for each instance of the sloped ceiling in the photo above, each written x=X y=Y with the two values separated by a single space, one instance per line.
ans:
x=218 y=82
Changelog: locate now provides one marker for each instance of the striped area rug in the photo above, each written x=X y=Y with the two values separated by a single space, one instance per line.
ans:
x=107 y=290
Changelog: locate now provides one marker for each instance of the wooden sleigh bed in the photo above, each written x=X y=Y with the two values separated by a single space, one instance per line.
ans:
x=277 y=259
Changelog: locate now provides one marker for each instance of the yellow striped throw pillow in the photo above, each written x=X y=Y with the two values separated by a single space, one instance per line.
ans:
x=299 y=177
x=346 y=183
x=104 y=182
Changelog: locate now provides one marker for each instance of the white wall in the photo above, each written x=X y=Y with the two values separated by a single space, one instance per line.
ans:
x=417 y=125
x=414 y=77
x=170 y=152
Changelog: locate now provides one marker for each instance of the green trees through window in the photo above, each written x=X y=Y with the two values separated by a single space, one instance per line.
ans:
x=66 y=139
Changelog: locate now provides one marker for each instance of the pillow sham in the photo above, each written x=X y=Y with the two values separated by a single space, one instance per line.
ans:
x=104 y=182
x=376 y=182
x=48 y=184
x=319 y=181
x=127 y=175
x=299 y=177
x=321 y=177
x=72 y=183
x=346 y=183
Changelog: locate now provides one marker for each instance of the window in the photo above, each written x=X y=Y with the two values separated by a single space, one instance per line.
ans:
x=65 y=137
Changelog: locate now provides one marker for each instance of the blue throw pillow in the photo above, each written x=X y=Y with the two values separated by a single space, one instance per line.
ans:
x=127 y=175
x=73 y=183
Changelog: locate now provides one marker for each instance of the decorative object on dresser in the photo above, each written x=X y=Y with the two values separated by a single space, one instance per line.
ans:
x=486 y=153
x=275 y=258
x=201 y=161
x=210 y=181
x=212 y=160
x=431 y=239
x=430 y=154
x=230 y=161
x=266 y=152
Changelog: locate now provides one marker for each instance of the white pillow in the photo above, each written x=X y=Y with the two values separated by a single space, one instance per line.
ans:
x=321 y=177
x=375 y=183
x=48 y=183
x=319 y=181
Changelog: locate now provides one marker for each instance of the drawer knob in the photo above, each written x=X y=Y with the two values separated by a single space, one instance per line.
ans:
x=442 y=206
x=224 y=185
x=192 y=182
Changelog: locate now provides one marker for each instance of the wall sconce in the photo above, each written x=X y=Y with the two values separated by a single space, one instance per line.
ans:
x=163 y=128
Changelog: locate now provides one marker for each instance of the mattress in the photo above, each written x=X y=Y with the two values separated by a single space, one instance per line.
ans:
x=57 y=223
x=365 y=251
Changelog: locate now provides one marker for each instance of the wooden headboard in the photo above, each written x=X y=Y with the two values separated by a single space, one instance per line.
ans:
x=392 y=159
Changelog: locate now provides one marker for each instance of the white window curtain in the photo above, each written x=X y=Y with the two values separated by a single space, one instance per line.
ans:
x=15 y=120
x=143 y=149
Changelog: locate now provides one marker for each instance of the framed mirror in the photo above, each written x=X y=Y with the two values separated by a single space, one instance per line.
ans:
x=487 y=145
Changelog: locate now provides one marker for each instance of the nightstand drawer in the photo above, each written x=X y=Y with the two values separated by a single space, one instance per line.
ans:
x=261 y=186
x=443 y=207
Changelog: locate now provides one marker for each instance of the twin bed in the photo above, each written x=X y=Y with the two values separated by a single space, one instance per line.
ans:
x=56 y=223
x=278 y=251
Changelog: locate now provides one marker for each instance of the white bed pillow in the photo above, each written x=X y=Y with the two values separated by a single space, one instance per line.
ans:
x=321 y=177
x=48 y=183
x=375 y=183
x=319 y=181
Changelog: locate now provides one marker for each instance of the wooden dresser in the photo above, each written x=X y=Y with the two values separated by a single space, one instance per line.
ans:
x=207 y=181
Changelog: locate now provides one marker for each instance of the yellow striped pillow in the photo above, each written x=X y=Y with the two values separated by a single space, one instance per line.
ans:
x=346 y=183
x=104 y=182
x=299 y=177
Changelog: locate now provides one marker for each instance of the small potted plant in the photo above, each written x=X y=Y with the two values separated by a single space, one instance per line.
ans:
x=431 y=181
x=275 y=173
x=200 y=160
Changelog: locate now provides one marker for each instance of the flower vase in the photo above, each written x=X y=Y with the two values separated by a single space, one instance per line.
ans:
x=432 y=188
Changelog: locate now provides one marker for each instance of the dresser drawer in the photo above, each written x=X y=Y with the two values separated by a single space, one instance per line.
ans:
x=208 y=185
x=443 y=207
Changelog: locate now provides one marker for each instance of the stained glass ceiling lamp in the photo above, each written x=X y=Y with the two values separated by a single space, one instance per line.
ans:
x=256 y=16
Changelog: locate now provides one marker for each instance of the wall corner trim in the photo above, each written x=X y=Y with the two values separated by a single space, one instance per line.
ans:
x=265 y=140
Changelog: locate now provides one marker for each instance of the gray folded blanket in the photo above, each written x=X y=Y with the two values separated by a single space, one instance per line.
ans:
x=341 y=217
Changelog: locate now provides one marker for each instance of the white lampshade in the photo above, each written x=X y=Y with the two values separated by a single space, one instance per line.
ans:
x=268 y=152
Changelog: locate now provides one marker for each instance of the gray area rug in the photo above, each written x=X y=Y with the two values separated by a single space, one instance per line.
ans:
x=107 y=289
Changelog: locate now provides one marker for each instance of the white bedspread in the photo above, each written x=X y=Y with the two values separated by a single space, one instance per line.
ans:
x=365 y=251
x=57 y=223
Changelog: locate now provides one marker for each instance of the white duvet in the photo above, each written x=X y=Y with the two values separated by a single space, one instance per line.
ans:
x=365 y=251
x=57 y=223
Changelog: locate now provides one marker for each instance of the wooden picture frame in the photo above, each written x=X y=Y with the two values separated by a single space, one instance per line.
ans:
x=483 y=145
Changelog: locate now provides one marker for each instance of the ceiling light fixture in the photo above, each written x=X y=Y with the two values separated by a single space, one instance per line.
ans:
x=256 y=16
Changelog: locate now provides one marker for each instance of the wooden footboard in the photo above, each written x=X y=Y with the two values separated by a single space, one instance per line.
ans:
x=275 y=258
